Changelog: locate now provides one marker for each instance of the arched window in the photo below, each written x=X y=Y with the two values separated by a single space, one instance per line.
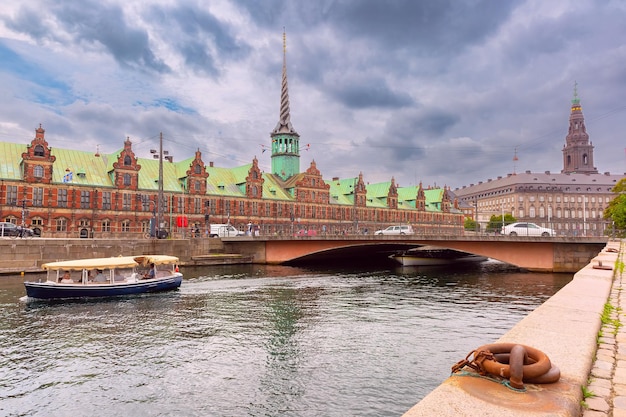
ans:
x=39 y=151
x=127 y=161
x=531 y=211
x=126 y=179
x=569 y=160
x=197 y=185
x=38 y=171
x=254 y=191
x=542 y=212
x=106 y=225
x=198 y=169
x=125 y=225
x=585 y=159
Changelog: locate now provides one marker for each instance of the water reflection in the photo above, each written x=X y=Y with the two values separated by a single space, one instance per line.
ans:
x=258 y=340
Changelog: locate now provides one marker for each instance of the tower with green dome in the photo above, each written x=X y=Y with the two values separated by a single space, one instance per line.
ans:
x=285 y=140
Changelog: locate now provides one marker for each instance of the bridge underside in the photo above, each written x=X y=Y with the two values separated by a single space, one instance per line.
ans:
x=534 y=254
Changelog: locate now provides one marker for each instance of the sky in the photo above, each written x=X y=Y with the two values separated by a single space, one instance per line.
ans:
x=443 y=92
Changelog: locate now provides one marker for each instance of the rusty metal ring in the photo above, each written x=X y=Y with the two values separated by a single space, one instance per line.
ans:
x=531 y=365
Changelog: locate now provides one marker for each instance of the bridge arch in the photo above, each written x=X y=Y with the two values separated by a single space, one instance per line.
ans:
x=549 y=254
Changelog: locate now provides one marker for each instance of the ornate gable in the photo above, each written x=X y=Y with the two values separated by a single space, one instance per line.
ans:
x=360 y=192
x=37 y=160
x=197 y=175
x=254 y=181
x=445 y=200
x=392 y=195
x=420 y=199
x=312 y=188
x=126 y=169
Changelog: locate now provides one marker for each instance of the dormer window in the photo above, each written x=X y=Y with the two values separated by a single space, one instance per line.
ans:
x=126 y=178
x=197 y=169
x=39 y=151
x=38 y=171
x=127 y=161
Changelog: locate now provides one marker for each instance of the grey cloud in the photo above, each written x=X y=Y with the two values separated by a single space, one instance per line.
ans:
x=201 y=38
x=427 y=123
x=92 y=22
x=374 y=93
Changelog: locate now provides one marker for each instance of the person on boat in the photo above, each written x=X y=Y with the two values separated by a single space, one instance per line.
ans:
x=100 y=277
x=151 y=272
x=67 y=279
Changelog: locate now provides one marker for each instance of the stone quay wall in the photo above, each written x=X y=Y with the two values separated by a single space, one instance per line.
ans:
x=27 y=255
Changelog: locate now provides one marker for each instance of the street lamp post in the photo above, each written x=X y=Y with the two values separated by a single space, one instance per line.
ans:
x=160 y=155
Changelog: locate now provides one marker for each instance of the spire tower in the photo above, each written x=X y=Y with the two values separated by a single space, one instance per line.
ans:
x=578 y=151
x=285 y=140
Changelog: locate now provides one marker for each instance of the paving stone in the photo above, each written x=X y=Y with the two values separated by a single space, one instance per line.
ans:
x=619 y=377
x=601 y=382
x=619 y=389
x=598 y=404
x=619 y=413
x=619 y=402
x=607 y=340
x=601 y=373
x=603 y=365
x=603 y=392
x=606 y=356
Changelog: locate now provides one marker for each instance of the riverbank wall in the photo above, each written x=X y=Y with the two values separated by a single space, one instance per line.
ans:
x=566 y=328
x=27 y=255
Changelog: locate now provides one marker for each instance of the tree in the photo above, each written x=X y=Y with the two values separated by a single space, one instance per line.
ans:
x=616 y=211
x=470 y=224
x=495 y=222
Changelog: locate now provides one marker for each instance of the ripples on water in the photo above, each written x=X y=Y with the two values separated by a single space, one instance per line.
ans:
x=258 y=341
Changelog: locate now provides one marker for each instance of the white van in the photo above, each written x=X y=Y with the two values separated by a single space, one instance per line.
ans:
x=224 y=230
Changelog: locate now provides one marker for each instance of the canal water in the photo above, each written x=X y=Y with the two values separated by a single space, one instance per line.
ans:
x=258 y=341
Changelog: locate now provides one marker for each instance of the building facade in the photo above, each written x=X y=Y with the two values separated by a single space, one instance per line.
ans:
x=71 y=193
x=571 y=202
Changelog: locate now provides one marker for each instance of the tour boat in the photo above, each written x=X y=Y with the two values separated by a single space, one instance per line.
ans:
x=431 y=256
x=106 y=277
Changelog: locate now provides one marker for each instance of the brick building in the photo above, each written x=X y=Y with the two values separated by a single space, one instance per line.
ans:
x=571 y=202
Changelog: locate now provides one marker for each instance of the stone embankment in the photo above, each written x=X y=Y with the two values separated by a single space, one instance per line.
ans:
x=27 y=255
x=580 y=329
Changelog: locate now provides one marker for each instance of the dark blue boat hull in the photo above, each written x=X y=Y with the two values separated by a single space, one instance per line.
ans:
x=47 y=290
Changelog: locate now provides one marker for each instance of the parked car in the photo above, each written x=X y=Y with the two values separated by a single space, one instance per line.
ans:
x=403 y=229
x=526 y=229
x=224 y=230
x=10 y=229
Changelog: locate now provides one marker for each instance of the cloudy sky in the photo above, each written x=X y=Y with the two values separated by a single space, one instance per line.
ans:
x=439 y=91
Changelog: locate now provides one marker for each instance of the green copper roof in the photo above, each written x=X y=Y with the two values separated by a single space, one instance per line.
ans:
x=10 y=160
x=149 y=175
x=86 y=168
x=221 y=182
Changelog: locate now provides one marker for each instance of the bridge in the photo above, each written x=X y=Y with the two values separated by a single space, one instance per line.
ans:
x=542 y=254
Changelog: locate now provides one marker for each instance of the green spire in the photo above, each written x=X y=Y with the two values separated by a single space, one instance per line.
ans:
x=576 y=99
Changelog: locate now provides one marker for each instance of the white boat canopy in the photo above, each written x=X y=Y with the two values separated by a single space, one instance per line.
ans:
x=107 y=263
